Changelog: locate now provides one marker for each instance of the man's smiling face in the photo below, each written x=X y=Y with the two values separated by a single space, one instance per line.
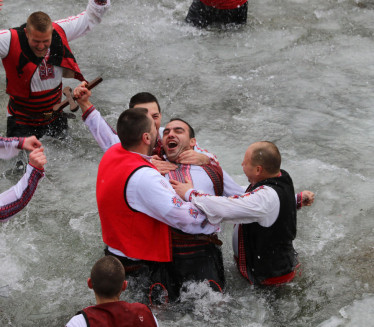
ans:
x=176 y=139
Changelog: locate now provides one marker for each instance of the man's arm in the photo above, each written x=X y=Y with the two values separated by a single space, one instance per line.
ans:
x=149 y=192
x=17 y=197
x=261 y=205
x=76 y=26
x=10 y=146
x=230 y=187
x=102 y=132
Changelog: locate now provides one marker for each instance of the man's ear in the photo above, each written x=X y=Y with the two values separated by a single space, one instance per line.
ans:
x=192 y=142
x=146 y=138
x=89 y=283
x=259 y=170
x=124 y=285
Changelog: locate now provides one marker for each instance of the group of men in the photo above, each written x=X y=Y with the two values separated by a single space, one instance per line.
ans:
x=160 y=197
x=185 y=249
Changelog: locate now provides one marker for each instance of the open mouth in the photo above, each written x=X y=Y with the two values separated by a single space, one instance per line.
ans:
x=172 y=145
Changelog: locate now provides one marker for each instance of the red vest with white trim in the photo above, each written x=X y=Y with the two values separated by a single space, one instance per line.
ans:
x=20 y=65
x=224 y=4
x=119 y=314
x=134 y=233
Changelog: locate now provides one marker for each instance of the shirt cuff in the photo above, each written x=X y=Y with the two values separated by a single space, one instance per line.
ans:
x=38 y=169
x=20 y=143
x=87 y=112
x=299 y=202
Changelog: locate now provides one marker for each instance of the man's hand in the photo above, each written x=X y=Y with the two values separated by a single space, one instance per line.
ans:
x=37 y=158
x=308 y=198
x=82 y=95
x=31 y=143
x=181 y=188
x=162 y=166
x=191 y=157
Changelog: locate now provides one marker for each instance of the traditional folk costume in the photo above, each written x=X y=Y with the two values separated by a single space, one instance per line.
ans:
x=262 y=241
x=34 y=84
x=114 y=314
x=137 y=207
x=195 y=257
x=17 y=197
x=206 y=12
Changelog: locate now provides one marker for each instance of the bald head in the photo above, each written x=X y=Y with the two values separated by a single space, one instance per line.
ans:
x=262 y=160
x=266 y=154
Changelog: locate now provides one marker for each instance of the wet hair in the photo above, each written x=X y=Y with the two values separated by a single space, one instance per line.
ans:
x=131 y=126
x=40 y=21
x=107 y=277
x=143 y=97
x=266 y=154
x=190 y=129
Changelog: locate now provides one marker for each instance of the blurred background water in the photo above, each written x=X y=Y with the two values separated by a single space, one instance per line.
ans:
x=299 y=74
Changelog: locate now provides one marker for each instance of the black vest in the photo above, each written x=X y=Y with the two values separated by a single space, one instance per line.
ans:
x=268 y=250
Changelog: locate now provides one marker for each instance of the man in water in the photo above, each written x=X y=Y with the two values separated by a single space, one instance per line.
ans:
x=18 y=196
x=137 y=205
x=36 y=56
x=108 y=282
x=206 y=12
x=265 y=214
x=106 y=136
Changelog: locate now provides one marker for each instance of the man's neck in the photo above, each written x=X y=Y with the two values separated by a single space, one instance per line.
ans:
x=100 y=300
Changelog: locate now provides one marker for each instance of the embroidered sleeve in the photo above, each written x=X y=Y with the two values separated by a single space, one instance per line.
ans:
x=261 y=205
x=79 y=25
x=17 y=197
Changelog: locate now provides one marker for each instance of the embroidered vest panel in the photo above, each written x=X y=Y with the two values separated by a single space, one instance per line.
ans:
x=133 y=233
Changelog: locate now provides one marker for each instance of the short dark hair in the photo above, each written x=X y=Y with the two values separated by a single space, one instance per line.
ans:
x=40 y=21
x=267 y=155
x=107 y=277
x=143 y=97
x=190 y=129
x=131 y=126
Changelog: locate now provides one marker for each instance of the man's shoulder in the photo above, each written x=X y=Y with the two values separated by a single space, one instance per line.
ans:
x=77 y=321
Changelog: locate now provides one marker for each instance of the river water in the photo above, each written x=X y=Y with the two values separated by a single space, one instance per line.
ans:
x=299 y=74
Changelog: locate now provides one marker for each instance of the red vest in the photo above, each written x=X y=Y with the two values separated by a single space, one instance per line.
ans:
x=119 y=314
x=133 y=233
x=224 y=4
x=20 y=65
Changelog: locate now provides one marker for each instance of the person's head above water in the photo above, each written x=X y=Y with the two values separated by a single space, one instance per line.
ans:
x=39 y=33
x=178 y=136
x=149 y=101
x=107 y=279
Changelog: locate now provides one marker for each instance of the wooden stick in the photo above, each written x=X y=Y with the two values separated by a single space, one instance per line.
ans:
x=71 y=100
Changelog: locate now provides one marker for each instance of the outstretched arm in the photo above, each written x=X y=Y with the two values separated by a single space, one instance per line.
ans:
x=79 y=25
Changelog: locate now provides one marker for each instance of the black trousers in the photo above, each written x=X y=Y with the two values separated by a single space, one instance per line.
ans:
x=201 y=262
x=201 y=15
x=55 y=129
x=191 y=262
